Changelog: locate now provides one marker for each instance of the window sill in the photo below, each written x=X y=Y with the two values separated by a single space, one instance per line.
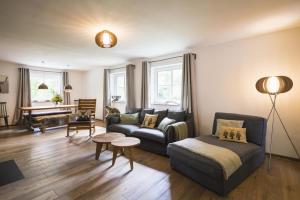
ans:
x=164 y=104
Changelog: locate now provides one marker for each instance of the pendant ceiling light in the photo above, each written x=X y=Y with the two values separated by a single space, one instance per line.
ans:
x=68 y=88
x=43 y=86
x=106 y=39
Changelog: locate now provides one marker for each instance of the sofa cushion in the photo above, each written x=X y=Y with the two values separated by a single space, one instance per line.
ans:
x=144 y=112
x=149 y=121
x=123 y=128
x=209 y=166
x=150 y=134
x=179 y=116
x=129 y=118
x=161 y=115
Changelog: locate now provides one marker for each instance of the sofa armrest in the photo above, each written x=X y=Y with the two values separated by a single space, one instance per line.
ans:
x=170 y=135
x=112 y=120
x=170 y=132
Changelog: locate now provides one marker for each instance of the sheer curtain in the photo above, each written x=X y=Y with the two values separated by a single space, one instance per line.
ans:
x=24 y=94
x=130 y=87
x=189 y=101
x=67 y=98
x=145 y=87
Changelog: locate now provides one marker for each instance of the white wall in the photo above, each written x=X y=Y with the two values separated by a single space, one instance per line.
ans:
x=227 y=74
x=11 y=70
x=93 y=88
x=226 y=77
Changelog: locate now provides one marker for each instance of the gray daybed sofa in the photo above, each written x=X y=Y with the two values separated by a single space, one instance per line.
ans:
x=208 y=172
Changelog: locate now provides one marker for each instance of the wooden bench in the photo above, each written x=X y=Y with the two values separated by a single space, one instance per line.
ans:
x=47 y=119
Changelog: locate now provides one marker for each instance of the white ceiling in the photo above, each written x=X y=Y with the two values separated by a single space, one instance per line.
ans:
x=61 y=32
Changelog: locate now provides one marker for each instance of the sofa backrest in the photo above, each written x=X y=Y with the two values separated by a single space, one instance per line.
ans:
x=255 y=126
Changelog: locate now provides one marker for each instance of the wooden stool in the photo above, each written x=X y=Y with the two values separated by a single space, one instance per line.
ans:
x=121 y=144
x=105 y=138
x=3 y=113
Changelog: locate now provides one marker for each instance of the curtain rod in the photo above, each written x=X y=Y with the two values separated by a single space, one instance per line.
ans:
x=44 y=71
x=165 y=59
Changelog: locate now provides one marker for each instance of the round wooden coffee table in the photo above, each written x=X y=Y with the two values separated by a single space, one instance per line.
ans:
x=105 y=138
x=125 y=143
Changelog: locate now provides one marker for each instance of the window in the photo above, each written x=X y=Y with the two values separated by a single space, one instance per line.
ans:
x=52 y=79
x=118 y=86
x=166 y=82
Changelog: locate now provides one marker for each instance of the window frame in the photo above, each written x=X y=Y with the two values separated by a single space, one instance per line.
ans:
x=43 y=74
x=154 y=70
x=114 y=88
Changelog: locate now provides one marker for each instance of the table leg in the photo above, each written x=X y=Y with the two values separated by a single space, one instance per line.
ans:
x=130 y=157
x=107 y=144
x=30 y=119
x=98 y=150
x=122 y=151
x=115 y=153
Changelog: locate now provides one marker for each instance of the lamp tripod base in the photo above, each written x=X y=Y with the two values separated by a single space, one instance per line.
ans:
x=273 y=112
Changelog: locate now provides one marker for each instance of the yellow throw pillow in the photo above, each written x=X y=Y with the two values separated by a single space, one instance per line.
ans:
x=149 y=121
x=232 y=134
x=228 y=123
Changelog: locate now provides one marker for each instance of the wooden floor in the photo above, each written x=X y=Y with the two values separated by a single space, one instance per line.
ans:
x=56 y=167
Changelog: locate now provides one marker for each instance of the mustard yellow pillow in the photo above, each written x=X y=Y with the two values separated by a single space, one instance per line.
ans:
x=149 y=121
x=232 y=134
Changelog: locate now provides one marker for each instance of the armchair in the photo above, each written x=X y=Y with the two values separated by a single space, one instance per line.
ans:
x=75 y=124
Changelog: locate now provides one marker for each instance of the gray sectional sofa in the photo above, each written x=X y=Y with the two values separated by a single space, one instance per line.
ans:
x=153 y=140
x=208 y=172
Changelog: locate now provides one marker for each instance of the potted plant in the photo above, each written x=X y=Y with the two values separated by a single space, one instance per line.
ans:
x=57 y=99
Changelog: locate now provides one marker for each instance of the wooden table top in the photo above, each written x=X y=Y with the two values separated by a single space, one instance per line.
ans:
x=126 y=142
x=107 y=137
x=47 y=107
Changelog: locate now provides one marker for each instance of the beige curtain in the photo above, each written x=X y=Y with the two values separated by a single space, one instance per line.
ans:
x=144 y=93
x=24 y=94
x=189 y=101
x=67 y=98
x=130 y=87
x=106 y=91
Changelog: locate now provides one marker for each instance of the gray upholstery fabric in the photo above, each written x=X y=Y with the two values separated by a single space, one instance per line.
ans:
x=161 y=115
x=127 y=129
x=151 y=134
x=255 y=126
x=207 y=172
x=179 y=116
x=208 y=166
x=144 y=112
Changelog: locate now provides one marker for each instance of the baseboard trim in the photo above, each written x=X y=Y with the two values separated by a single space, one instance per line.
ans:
x=286 y=157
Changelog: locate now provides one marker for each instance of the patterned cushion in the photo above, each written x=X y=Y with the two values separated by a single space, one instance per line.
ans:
x=232 y=134
x=228 y=123
x=83 y=115
x=149 y=121
x=144 y=112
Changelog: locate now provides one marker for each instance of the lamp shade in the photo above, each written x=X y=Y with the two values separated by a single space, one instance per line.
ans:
x=68 y=88
x=274 y=84
x=106 y=39
x=43 y=86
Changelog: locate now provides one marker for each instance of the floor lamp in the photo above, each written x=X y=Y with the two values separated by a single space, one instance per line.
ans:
x=273 y=86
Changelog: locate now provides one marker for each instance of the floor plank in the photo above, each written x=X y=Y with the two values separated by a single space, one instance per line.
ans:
x=56 y=167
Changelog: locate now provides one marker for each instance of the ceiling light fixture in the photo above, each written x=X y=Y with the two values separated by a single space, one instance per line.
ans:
x=106 y=39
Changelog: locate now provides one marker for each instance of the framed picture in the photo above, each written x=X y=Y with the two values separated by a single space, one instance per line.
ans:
x=3 y=83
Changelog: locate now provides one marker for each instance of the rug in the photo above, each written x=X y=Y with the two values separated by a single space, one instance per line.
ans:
x=9 y=172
